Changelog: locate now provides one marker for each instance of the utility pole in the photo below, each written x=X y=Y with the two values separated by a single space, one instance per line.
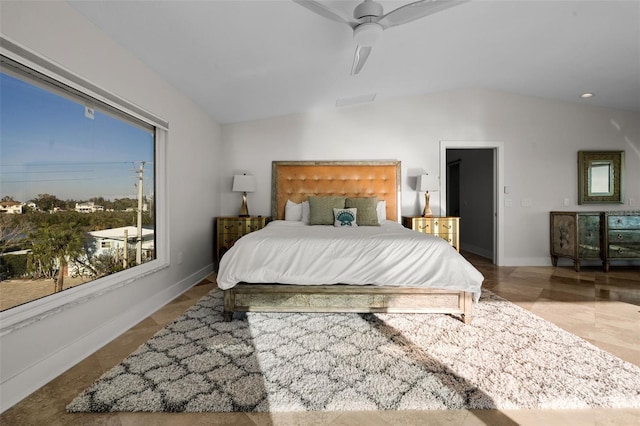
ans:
x=139 y=236
x=125 y=254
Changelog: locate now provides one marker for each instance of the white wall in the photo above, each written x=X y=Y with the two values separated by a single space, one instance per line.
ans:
x=541 y=140
x=36 y=353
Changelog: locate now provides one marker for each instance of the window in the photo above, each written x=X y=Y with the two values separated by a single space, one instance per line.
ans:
x=81 y=187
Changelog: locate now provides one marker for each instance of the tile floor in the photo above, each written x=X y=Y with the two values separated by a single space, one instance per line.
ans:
x=603 y=308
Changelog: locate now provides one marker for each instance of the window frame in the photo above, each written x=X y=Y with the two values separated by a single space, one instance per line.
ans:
x=36 y=310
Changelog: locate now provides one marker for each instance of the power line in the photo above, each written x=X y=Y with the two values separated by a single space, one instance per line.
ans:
x=44 y=180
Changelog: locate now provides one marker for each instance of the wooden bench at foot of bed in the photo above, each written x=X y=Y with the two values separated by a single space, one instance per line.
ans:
x=345 y=298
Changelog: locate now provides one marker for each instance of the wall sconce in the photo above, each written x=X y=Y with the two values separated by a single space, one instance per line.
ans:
x=425 y=184
x=244 y=183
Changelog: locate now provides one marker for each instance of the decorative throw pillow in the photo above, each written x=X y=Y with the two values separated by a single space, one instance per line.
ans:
x=367 y=214
x=292 y=211
x=321 y=209
x=345 y=217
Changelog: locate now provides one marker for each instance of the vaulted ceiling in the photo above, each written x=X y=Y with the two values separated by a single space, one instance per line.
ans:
x=246 y=60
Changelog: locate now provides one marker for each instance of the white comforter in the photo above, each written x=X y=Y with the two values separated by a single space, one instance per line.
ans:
x=286 y=252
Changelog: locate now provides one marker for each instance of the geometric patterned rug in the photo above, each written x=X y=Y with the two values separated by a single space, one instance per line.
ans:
x=507 y=358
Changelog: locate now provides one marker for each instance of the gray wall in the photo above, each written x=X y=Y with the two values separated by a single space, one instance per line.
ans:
x=477 y=205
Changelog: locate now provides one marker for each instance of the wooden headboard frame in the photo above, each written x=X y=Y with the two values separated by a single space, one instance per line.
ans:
x=296 y=180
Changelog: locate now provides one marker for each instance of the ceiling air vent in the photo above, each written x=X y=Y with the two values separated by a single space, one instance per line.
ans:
x=362 y=99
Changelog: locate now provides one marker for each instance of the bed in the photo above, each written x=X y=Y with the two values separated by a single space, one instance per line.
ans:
x=293 y=266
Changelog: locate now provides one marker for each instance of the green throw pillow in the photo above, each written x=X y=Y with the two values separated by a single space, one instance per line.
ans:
x=367 y=214
x=321 y=209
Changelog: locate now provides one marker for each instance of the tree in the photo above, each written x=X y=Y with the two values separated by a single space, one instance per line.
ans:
x=53 y=246
x=13 y=229
x=122 y=204
x=13 y=232
x=47 y=202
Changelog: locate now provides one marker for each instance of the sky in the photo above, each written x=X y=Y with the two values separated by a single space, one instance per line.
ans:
x=49 y=146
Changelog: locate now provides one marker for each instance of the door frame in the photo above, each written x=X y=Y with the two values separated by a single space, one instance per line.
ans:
x=498 y=179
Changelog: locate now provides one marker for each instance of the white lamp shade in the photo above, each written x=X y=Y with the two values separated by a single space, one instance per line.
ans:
x=427 y=183
x=244 y=183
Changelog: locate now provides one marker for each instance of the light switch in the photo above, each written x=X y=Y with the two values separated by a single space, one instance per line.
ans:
x=567 y=202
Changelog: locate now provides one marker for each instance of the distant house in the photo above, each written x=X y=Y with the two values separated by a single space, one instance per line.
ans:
x=11 y=207
x=88 y=207
x=109 y=239
x=112 y=242
x=145 y=208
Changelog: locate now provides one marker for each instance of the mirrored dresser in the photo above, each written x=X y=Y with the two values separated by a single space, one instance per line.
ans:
x=603 y=235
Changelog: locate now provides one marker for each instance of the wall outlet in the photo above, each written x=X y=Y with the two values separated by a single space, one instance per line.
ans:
x=632 y=202
x=180 y=257
x=526 y=202
x=567 y=202
x=508 y=202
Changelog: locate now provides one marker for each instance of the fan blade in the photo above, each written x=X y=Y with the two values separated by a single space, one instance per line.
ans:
x=327 y=12
x=362 y=53
x=416 y=10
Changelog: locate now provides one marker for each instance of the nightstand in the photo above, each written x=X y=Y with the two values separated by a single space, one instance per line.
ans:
x=447 y=228
x=230 y=229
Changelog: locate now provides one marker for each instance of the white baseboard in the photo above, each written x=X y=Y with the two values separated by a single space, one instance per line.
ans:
x=527 y=261
x=32 y=378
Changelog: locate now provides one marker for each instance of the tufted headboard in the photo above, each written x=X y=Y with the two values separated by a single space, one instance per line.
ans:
x=296 y=180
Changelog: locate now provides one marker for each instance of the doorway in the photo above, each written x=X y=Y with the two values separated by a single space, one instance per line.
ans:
x=471 y=175
x=453 y=185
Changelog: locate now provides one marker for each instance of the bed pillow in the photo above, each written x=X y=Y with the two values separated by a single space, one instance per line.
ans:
x=292 y=211
x=345 y=217
x=321 y=209
x=305 y=212
x=367 y=214
x=381 y=209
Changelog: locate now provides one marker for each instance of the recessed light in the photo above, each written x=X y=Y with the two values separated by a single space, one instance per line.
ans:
x=586 y=95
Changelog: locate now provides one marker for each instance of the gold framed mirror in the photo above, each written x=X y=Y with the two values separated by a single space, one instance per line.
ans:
x=600 y=178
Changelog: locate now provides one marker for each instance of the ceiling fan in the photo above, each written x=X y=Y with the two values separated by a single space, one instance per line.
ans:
x=369 y=21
